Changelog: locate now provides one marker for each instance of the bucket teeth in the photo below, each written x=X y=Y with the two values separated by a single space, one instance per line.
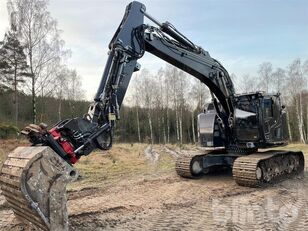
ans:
x=33 y=180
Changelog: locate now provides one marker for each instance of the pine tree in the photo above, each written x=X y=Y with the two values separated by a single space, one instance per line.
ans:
x=13 y=66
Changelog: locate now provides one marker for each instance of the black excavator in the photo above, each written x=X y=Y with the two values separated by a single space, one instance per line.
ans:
x=232 y=127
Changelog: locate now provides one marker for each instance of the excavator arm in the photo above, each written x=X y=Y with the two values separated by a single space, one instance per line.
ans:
x=132 y=39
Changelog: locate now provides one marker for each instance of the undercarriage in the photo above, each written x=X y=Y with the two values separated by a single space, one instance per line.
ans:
x=251 y=170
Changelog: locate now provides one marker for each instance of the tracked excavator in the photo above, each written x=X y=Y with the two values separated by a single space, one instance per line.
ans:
x=232 y=128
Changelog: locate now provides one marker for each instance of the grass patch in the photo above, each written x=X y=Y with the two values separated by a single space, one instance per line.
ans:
x=122 y=162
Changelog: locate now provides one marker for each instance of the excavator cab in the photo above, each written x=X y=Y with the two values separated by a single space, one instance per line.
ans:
x=260 y=120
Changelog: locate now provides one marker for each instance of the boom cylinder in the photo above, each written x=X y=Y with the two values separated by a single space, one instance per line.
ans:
x=167 y=28
x=170 y=30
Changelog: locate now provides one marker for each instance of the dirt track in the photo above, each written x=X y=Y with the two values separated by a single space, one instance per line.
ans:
x=158 y=199
x=168 y=202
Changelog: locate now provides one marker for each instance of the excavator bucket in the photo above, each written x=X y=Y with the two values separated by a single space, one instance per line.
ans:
x=33 y=181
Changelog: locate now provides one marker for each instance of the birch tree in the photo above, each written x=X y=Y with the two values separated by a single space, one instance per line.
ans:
x=296 y=84
x=181 y=95
x=40 y=36
x=172 y=74
x=168 y=94
x=250 y=84
x=305 y=76
x=279 y=78
x=148 y=88
x=199 y=94
x=74 y=91
x=136 y=101
x=160 y=104
x=61 y=85
x=265 y=73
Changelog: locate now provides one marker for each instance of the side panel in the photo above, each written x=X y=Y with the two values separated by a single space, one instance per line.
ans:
x=208 y=130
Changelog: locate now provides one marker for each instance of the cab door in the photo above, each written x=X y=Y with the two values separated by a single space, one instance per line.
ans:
x=273 y=119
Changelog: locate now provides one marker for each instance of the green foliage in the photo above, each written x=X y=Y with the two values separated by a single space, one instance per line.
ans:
x=8 y=131
x=13 y=64
x=47 y=109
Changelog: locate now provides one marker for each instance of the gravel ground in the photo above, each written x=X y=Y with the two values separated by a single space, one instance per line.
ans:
x=155 y=198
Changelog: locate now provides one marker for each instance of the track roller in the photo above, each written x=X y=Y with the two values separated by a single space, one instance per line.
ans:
x=263 y=168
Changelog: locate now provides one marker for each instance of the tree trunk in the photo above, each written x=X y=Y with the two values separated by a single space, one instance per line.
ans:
x=138 y=125
x=16 y=108
x=299 y=121
x=164 y=129
x=302 y=116
x=193 y=127
x=168 y=126
x=32 y=88
x=60 y=109
x=33 y=101
x=15 y=95
x=177 y=125
x=159 y=129
x=181 y=126
x=289 y=126
x=151 y=128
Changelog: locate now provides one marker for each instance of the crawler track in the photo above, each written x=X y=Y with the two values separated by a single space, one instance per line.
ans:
x=252 y=170
x=259 y=169
x=184 y=165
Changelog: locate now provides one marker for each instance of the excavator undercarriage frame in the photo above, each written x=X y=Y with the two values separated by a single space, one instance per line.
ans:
x=250 y=170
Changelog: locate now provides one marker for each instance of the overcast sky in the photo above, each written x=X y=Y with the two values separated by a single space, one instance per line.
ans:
x=239 y=33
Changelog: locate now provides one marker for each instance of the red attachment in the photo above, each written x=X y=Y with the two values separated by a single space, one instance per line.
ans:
x=67 y=146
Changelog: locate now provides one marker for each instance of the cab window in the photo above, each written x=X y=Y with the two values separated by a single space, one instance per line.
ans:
x=268 y=108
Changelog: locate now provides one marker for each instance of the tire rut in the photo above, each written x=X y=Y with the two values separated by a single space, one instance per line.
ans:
x=268 y=209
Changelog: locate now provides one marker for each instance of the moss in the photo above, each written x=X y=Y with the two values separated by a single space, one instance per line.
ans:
x=8 y=131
